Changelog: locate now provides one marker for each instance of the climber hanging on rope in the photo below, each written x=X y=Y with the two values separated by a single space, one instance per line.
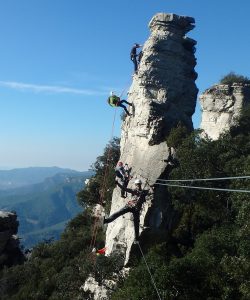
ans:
x=133 y=206
x=122 y=173
x=136 y=58
x=115 y=101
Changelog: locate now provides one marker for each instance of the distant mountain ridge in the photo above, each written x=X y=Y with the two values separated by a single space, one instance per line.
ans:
x=15 y=178
x=44 y=208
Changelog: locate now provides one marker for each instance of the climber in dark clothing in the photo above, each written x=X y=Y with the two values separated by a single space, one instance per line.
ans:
x=139 y=57
x=115 y=101
x=133 y=206
x=122 y=173
x=133 y=56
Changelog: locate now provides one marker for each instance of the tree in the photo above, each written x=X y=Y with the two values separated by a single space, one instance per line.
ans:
x=101 y=185
x=207 y=255
x=232 y=77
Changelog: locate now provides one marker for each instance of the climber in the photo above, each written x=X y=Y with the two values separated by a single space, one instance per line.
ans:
x=171 y=160
x=134 y=55
x=123 y=174
x=133 y=206
x=115 y=101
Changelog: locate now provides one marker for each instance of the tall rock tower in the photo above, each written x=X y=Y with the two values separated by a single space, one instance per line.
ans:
x=221 y=104
x=163 y=93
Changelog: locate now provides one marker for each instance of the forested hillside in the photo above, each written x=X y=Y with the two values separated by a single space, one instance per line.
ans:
x=44 y=208
x=206 y=255
x=11 y=179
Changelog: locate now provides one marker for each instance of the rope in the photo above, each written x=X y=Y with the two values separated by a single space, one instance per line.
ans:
x=204 y=188
x=95 y=227
x=152 y=278
x=205 y=179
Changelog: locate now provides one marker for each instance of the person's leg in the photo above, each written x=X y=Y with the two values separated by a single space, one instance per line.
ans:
x=136 y=216
x=140 y=57
x=117 y=214
x=124 y=184
x=134 y=60
x=124 y=107
x=124 y=101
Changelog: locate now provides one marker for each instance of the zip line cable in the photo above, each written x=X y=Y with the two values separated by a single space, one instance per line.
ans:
x=204 y=188
x=152 y=278
x=204 y=179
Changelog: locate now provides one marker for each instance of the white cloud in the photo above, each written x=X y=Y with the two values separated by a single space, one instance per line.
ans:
x=49 y=88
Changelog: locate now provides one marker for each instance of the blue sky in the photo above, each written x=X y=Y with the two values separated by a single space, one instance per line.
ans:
x=59 y=59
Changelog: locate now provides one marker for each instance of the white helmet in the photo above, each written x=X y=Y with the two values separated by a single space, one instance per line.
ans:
x=111 y=93
x=138 y=181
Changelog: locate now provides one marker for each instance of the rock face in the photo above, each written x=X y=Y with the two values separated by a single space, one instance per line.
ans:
x=163 y=94
x=10 y=253
x=221 y=104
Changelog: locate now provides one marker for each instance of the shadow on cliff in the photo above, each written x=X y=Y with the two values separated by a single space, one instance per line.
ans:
x=161 y=126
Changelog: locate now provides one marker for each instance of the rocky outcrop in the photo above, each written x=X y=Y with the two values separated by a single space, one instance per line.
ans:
x=10 y=252
x=221 y=104
x=99 y=292
x=163 y=93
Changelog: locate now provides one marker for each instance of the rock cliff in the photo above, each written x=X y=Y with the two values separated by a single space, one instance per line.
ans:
x=221 y=104
x=163 y=93
x=10 y=253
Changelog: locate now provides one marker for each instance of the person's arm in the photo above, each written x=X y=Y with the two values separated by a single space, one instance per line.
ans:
x=122 y=171
x=125 y=189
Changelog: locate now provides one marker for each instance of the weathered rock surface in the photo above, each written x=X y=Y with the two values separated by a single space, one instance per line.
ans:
x=9 y=243
x=163 y=93
x=221 y=104
x=98 y=292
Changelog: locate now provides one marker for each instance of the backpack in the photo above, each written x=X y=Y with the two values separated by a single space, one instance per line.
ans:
x=113 y=100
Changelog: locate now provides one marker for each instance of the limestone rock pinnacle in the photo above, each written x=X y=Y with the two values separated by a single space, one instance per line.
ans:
x=221 y=104
x=163 y=93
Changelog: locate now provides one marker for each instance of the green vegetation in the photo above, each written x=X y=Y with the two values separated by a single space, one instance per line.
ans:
x=44 y=205
x=231 y=78
x=57 y=270
x=206 y=255
x=100 y=186
x=176 y=135
x=36 y=236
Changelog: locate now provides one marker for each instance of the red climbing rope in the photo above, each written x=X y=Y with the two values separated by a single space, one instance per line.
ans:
x=104 y=183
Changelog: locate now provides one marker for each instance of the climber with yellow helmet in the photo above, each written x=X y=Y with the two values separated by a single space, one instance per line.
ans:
x=115 y=101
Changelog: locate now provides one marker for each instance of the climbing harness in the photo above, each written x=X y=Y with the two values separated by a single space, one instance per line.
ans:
x=151 y=276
